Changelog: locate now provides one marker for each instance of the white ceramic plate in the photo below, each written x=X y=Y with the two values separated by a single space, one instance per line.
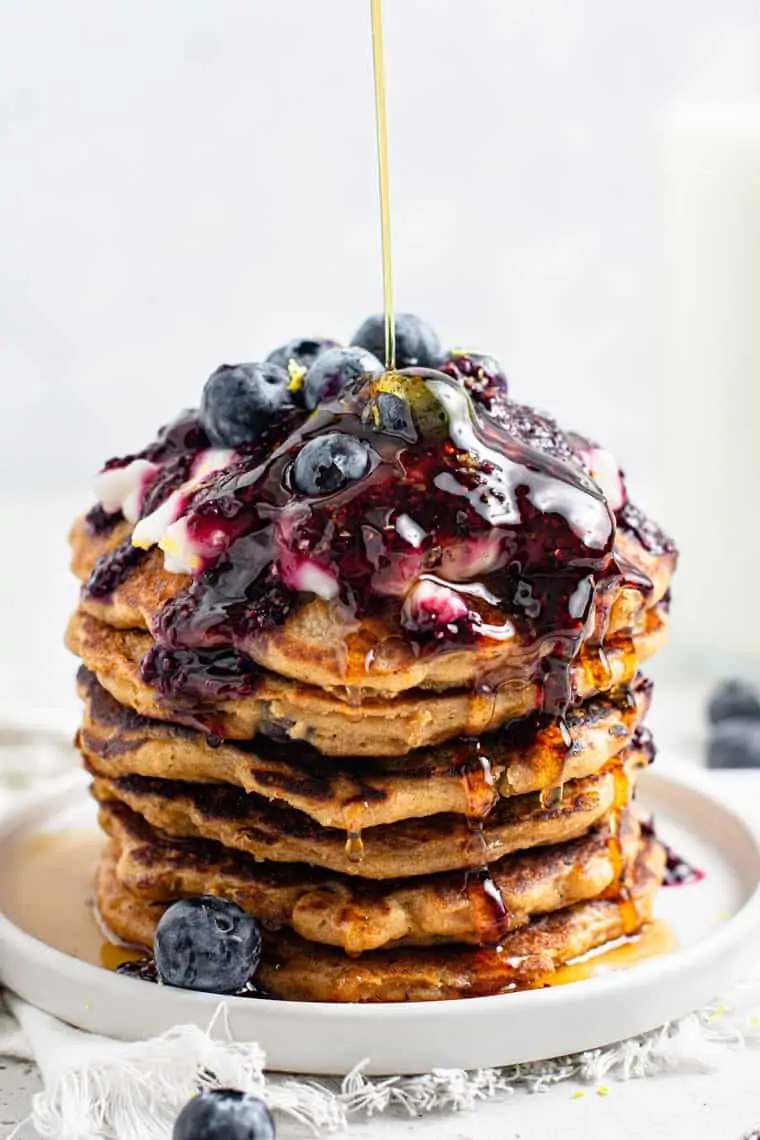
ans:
x=717 y=923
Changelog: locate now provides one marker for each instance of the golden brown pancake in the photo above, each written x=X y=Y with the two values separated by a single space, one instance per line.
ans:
x=320 y=645
x=247 y=823
x=286 y=710
x=298 y=970
x=465 y=777
x=358 y=917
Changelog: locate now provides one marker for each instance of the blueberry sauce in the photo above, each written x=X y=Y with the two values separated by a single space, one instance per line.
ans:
x=678 y=871
x=494 y=525
x=99 y=521
x=145 y=970
x=113 y=568
x=649 y=534
x=175 y=452
x=183 y=435
x=481 y=375
x=199 y=674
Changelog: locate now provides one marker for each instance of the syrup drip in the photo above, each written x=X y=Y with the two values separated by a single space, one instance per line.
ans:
x=489 y=911
x=476 y=772
x=480 y=710
x=487 y=906
x=559 y=743
x=619 y=889
x=354 y=813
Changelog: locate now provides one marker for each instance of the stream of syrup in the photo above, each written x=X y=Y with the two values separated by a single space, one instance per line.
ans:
x=381 y=116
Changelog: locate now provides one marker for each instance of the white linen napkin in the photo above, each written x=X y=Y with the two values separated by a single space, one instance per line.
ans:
x=96 y=1088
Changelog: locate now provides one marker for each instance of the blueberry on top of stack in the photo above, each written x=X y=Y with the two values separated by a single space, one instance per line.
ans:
x=360 y=652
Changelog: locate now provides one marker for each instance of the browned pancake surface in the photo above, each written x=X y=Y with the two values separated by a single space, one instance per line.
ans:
x=287 y=710
x=245 y=823
x=298 y=970
x=356 y=916
x=465 y=777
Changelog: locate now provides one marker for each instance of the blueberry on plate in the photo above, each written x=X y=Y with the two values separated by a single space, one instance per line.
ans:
x=417 y=345
x=328 y=463
x=733 y=699
x=240 y=400
x=734 y=744
x=303 y=350
x=334 y=370
x=207 y=943
x=224 y=1114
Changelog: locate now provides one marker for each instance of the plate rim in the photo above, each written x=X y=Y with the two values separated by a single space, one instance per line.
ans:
x=743 y=925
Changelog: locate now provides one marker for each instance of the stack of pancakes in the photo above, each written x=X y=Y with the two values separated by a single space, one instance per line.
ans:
x=405 y=822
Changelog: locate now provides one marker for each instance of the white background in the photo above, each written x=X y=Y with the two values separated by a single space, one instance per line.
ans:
x=191 y=181
x=187 y=181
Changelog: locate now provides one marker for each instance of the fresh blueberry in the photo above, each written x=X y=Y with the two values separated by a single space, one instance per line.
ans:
x=207 y=943
x=481 y=375
x=239 y=400
x=393 y=414
x=182 y=434
x=417 y=345
x=330 y=462
x=733 y=699
x=303 y=350
x=334 y=370
x=224 y=1114
x=734 y=744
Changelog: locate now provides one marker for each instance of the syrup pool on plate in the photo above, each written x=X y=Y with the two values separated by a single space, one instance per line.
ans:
x=47 y=889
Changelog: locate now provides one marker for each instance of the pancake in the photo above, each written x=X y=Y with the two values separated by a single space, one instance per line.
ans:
x=247 y=823
x=463 y=778
x=321 y=643
x=358 y=917
x=272 y=706
x=298 y=970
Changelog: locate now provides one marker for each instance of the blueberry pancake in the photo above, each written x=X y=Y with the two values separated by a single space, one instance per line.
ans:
x=360 y=657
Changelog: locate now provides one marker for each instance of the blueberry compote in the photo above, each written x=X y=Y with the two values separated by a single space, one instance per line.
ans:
x=174 y=453
x=445 y=527
x=679 y=872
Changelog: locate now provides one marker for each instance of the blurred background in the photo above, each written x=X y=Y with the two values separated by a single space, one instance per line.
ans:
x=574 y=189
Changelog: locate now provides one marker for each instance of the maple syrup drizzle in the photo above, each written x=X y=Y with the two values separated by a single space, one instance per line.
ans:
x=353 y=815
x=619 y=889
x=559 y=743
x=654 y=939
x=381 y=117
x=489 y=911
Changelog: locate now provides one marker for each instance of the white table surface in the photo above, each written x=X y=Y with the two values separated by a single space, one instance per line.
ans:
x=36 y=685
